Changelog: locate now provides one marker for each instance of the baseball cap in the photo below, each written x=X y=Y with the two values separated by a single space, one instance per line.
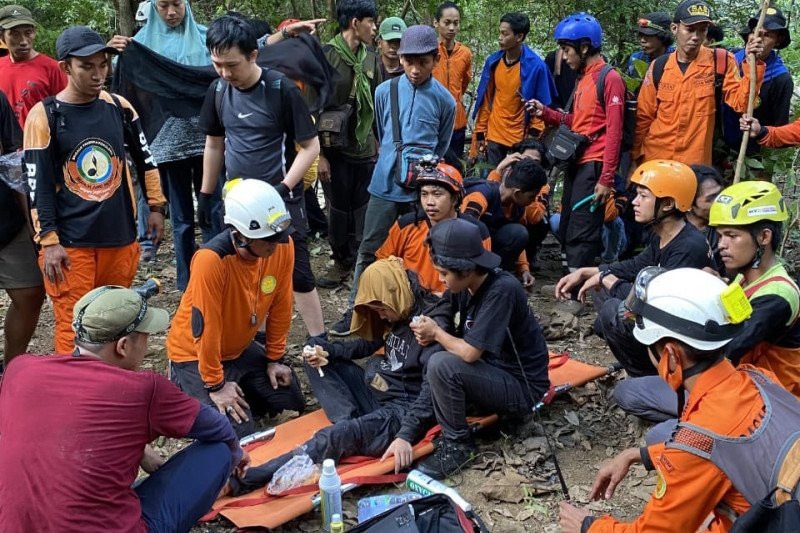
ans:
x=460 y=239
x=392 y=28
x=774 y=20
x=80 y=41
x=691 y=12
x=418 y=40
x=108 y=313
x=13 y=16
x=654 y=23
x=287 y=22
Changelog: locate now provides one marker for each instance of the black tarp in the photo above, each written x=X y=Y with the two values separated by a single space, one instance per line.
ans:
x=159 y=88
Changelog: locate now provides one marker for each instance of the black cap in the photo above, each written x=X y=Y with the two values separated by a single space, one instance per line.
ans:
x=654 y=23
x=691 y=12
x=460 y=239
x=80 y=41
x=774 y=20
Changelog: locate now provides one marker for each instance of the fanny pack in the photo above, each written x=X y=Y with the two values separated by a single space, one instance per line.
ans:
x=566 y=146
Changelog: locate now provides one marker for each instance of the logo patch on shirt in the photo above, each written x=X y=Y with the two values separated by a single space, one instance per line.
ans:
x=242 y=115
x=378 y=383
x=457 y=319
x=93 y=171
x=268 y=284
x=665 y=462
x=661 y=485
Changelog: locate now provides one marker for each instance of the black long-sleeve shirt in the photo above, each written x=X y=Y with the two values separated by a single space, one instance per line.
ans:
x=13 y=218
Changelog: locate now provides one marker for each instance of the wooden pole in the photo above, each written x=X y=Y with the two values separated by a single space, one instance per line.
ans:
x=751 y=100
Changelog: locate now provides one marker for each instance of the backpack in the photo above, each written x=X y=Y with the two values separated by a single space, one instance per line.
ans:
x=273 y=78
x=432 y=514
x=629 y=115
x=764 y=466
x=720 y=67
x=53 y=115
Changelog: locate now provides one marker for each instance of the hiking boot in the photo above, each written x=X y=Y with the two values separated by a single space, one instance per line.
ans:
x=334 y=277
x=148 y=255
x=342 y=327
x=448 y=458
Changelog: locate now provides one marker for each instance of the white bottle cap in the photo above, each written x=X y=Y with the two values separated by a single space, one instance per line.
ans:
x=336 y=518
x=328 y=467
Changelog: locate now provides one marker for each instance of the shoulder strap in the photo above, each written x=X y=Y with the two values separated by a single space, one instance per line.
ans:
x=658 y=69
x=601 y=85
x=222 y=86
x=720 y=68
x=394 y=103
x=51 y=111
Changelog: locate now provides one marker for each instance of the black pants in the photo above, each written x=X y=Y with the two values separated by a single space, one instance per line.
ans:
x=249 y=371
x=618 y=333
x=455 y=384
x=302 y=276
x=347 y=205
x=581 y=231
x=342 y=393
x=536 y=236
x=317 y=221
x=508 y=242
x=457 y=143
x=369 y=432
x=496 y=152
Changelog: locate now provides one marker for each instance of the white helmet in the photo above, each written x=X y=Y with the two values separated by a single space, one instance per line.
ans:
x=142 y=11
x=686 y=304
x=255 y=209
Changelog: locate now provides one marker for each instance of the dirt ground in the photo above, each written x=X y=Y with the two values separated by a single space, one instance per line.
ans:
x=511 y=483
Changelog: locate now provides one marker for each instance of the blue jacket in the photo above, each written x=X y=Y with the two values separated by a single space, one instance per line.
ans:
x=427 y=114
x=536 y=79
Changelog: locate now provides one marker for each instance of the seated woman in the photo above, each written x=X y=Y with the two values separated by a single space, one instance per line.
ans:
x=388 y=401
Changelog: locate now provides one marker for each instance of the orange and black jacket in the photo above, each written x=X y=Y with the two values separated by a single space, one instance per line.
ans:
x=780 y=136
x=770 y=338
x=226 y=301
x=454 y=71
x=82 y=192
x=690 y=490
x=676 y=121
x=407 y=240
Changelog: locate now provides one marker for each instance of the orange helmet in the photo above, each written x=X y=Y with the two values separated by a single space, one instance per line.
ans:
x=444 y=175
x=668 y=179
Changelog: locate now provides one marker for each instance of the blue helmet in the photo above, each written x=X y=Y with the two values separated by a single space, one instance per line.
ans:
x=579 y=26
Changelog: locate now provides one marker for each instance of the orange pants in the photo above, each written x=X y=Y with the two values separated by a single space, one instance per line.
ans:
x=89 y=268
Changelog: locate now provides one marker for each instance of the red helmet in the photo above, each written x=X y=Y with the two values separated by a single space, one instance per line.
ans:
x=443 y=175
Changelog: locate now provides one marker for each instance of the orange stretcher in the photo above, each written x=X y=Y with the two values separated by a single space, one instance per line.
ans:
x=260 y=509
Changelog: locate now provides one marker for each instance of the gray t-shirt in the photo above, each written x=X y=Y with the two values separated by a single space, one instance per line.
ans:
x=260 y=125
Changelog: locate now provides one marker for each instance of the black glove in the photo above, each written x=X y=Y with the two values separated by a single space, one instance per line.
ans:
x=204 y=215
x=283 y=190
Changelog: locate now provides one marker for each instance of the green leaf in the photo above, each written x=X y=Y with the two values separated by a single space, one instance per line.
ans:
x=753 y=163
x=640 y=67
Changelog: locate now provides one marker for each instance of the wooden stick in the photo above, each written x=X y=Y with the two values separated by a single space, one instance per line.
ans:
x=751 y=100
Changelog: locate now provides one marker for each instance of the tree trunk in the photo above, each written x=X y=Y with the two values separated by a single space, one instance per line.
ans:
x=126 y=11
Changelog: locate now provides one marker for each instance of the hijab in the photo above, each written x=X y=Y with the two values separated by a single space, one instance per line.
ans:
x=185 y=44
x=386 y=282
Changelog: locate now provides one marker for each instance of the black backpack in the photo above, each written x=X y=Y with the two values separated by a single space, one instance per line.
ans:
x=629 y=115
x=432 y=514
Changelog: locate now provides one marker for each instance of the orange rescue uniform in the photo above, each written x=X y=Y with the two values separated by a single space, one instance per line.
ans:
x=454 y=71
x=677 y=121
x=781 y=136
x=690 y=489
x=407 y=240
x=227 y=299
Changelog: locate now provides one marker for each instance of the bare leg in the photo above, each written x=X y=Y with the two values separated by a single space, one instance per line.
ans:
x=310 y=310
x=21 y=320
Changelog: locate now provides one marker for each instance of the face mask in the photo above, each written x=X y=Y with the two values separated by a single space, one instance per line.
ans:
x=674 y=379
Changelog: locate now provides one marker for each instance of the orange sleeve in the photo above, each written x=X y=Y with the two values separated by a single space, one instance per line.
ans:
x=494 y=175
x=782 y=136
x=482 y=120
x=279 y=315
x=393 y=244
x=736 y=88
x=487 y=243
x=611 y=209
x=535 y=212
x=522 y=263
x=467 y=71
x=476 y=203
x=40 y=168
x=206 y=284
x=688 y=490
x=646 y=109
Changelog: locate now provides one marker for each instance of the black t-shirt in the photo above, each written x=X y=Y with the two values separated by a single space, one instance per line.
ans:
x=565 y=80
x=260 y=125
x=492 y=318
x=12 y=218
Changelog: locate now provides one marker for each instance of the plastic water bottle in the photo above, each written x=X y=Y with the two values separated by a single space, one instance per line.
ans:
x=337 y=526
x=426 y=485
x=330 y=491
x=148 y=289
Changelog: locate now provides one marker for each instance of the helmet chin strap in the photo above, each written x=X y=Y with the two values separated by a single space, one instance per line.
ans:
x=656 y=218
x=756 y=262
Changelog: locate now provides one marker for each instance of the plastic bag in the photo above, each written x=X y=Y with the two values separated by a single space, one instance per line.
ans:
x=299 y=470
x=11 y=172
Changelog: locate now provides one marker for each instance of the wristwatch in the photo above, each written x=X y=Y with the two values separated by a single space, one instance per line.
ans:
x=604 y=272
x=157 y=209
x=285 y=33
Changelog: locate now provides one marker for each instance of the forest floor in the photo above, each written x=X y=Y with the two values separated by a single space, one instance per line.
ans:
x=512 y=482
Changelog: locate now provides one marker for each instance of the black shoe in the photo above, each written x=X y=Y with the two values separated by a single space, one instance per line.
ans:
x=448 y=458
x=342 y=327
